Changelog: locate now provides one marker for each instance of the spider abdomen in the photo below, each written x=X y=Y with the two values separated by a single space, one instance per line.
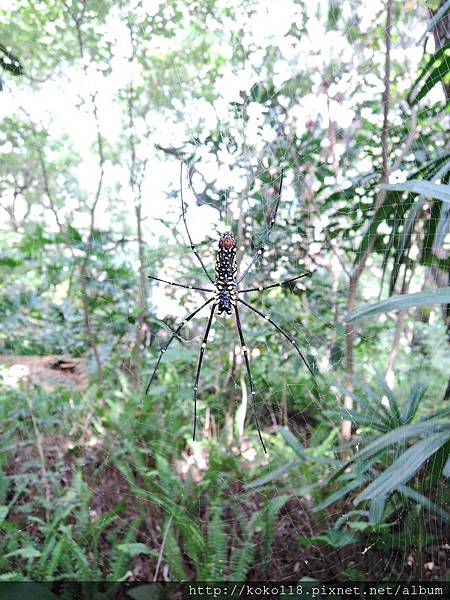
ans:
x=226 y=269
x=226 y=299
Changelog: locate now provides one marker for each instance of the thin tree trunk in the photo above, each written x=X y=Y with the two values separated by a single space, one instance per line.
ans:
x=87 y=319
x=389 y=374
x=84 y=277
x=142 y=300
x=356 y=274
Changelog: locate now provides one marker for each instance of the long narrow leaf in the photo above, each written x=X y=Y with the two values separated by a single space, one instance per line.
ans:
x=446 y=471
x=376 y=399
x=340 y=493
x=437 y=414
x=273 y=475
x=404 y=468
x=404 y=237
x=356 y=417
x=400 y=302
x=423 y=501
x=401 y=434
x=436 y=67
x=376 y=509
x=392 y=204
x=393 y=404
x=428 y=189
x=434 y=20
x=293 y=442
x=410 y=407
x=371 y=404
x=397 y=436
x=443 y=227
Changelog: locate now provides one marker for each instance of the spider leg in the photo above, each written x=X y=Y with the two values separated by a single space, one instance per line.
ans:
x=249 y=373
x=183 y=211
x=259 y=250
x=268 y=287
x=293 y=342
x=189 y=287
x=172 y=337
x=199 y=366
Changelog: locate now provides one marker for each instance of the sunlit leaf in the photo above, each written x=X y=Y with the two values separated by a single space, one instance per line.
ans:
x=401 y=302
x=434 y=71
x=135 y=548
x=428 y=189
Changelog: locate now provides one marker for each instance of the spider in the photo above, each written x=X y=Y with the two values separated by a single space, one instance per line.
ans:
x=226 y=298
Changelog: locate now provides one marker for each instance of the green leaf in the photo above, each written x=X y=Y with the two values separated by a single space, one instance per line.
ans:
x=341 y=492
x=358 y=418
x=446 y=471
x=404 y=237
x=400 y=302
x=376 y=509
x=434 y=71
x=392 y=205
x=424 y=501
x=243 y=556
x=10 y=62
x=428 y=189
x=273 y=475
x=9 y=261
x=405 y=467
x=364 y=526
x=293 y=442
x=3 y=512
x=411 y=405
x=397 y=436
x=374 y=400
x=27 y=552
x=393 y=404
x=346 y=516
x=333 y=537
x=174 y=557
x=135 y=548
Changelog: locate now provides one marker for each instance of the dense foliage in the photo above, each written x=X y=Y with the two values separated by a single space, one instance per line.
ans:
x=101 y=102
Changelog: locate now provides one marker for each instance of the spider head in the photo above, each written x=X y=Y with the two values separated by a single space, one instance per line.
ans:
x=227 y=241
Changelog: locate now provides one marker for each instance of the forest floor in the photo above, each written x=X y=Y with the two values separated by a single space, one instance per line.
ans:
x=49 y=372
x=286 y=559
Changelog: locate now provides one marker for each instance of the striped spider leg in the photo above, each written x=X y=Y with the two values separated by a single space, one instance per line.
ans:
x=225 y=300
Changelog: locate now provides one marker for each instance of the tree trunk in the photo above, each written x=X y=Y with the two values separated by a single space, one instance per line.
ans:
x=355 y=276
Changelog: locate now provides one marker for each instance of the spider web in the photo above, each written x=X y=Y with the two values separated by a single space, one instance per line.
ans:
x=235 y=158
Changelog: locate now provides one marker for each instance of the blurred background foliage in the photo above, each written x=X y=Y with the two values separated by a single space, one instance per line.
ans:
x=100 y=103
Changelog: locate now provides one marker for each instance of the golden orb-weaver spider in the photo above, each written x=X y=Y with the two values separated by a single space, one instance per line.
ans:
x=226 y=296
